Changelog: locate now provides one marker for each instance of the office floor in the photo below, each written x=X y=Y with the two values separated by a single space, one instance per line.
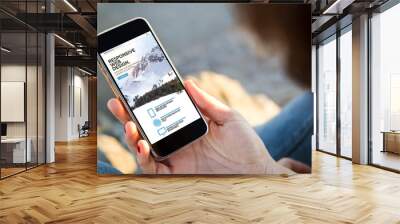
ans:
x=388 y=159
x=8 y=171
x=70 y=191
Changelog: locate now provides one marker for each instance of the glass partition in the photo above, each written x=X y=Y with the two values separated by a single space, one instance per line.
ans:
x=31 y=98
x=32 y=88
x=22 y=101
x=327 y=95
x=14 y=153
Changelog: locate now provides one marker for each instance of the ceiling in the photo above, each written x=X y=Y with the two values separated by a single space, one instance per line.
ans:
x=75 y=21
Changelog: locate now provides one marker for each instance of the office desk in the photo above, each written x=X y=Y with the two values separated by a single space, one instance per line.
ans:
x=13 y=150
x=391 y=141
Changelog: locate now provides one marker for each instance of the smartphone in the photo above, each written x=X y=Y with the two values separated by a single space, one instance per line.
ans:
x=143 y=77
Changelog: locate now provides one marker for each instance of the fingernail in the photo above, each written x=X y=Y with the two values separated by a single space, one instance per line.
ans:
x=111 y=104
x=138 y=149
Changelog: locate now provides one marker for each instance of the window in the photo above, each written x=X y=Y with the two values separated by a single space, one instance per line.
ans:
x=346 y=92
x=394 y=102
x=327 y=95
x=385 y=88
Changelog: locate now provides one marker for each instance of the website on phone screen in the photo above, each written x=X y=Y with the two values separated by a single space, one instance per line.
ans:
x=150 y=86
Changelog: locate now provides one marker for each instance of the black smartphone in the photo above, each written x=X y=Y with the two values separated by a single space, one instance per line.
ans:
x=140 y=73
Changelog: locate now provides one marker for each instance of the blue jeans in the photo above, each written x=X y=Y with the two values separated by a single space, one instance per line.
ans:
x=289 y=133
x=104 y=166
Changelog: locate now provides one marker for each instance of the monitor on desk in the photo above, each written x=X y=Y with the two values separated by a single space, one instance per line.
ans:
x=3 y=130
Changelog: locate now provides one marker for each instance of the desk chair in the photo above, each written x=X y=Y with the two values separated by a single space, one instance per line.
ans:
x=84 y=130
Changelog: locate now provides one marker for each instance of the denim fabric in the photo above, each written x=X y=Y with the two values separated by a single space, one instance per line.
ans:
x=106 y=168
x=289 y=133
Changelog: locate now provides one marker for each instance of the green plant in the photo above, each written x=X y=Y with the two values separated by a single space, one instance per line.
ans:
x=164 y=89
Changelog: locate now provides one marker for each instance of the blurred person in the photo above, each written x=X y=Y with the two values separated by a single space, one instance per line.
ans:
x=285 y=140
x=288 y=135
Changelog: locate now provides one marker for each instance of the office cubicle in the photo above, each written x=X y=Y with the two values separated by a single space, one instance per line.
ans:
x=22 y=95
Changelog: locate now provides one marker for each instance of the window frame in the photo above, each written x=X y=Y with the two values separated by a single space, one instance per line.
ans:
x=335 y=36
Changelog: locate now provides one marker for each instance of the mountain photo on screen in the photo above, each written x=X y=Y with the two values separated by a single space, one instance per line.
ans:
x=149 y=76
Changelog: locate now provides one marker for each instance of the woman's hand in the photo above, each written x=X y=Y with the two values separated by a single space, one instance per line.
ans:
x=230 y=147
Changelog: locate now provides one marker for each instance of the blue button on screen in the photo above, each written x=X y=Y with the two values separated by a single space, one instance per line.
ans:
x=156 y=122
x=122 y=76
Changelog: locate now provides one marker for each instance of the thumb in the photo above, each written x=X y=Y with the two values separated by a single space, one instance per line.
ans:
x=209 y=106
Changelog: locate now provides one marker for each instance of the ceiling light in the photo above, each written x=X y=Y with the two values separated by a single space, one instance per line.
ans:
x=338 y=6
x=5 y=50
x=79 y=51
x=65 y=41
x=70 y=5
x=84 y=71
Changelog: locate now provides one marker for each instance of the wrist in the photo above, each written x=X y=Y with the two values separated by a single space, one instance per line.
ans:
x=274 y=168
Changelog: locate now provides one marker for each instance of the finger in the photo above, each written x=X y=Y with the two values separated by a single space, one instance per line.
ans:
x=294 y=165
x=147 y=162
x=132 y=135
x=118 y=110
x=210 y=106
x=144 y=158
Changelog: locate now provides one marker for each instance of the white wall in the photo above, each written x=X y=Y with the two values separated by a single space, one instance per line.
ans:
x=360 y=90
x=61 y=103
x=33 y=126
x=12 y=73
x=80 y=100
x=71 y=93
x=50 y=93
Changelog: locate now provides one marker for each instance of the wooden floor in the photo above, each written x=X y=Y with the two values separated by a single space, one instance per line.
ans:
x=387 y=159
x=70 y=191
x=10 y=171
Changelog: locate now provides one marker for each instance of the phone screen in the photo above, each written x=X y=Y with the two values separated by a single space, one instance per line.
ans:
x=150 y=86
